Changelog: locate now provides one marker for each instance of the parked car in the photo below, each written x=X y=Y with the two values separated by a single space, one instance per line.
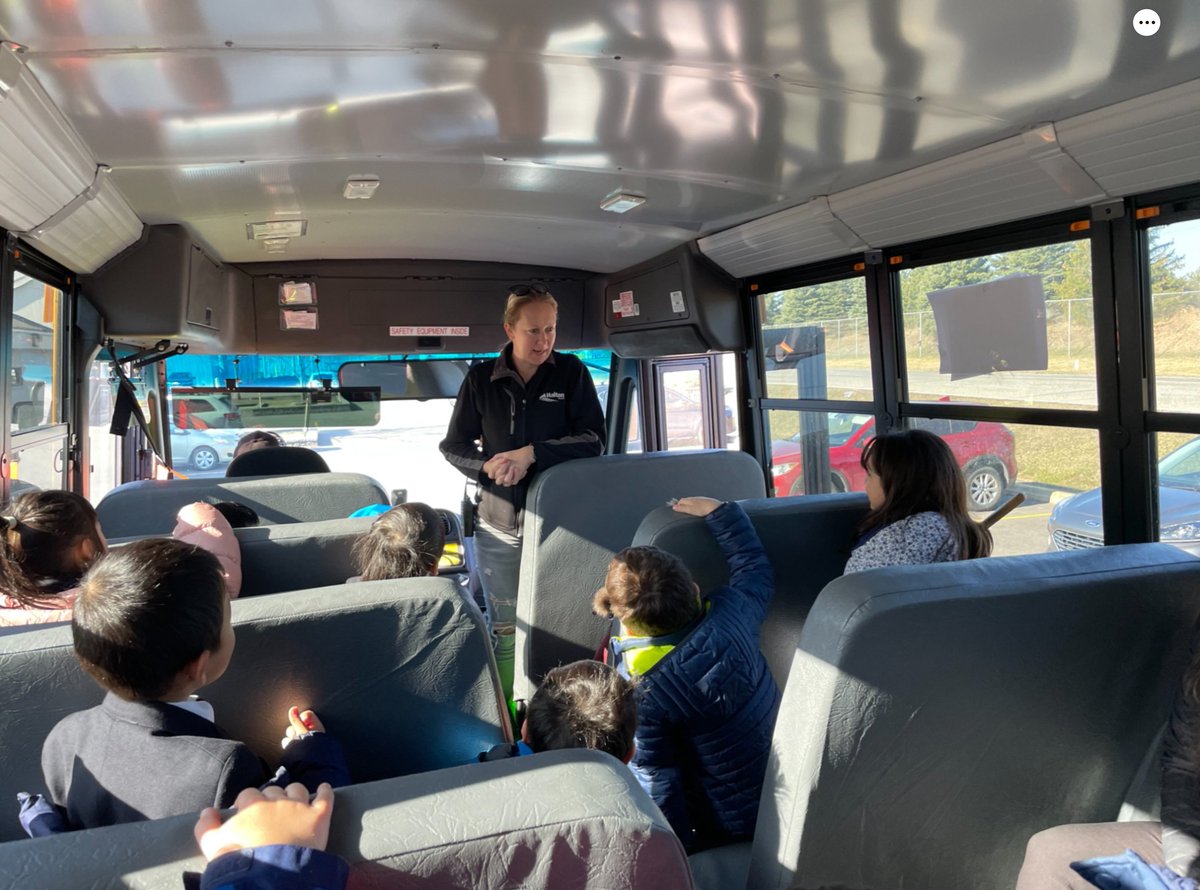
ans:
x=202 y=449
x=1077 y=522
x=203 y=411
x=984 y=451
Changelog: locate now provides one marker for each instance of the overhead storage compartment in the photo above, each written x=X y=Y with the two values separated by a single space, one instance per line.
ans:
x=166 y=286
x=675 y=304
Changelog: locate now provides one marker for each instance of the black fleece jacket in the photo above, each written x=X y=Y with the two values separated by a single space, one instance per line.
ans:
x=557 y=412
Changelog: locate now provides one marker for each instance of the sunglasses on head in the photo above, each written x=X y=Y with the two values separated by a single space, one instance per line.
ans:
x=524 y=290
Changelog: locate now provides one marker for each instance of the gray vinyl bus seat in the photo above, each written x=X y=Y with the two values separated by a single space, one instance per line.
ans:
x=561 y=819
x=298 y=555
x=937 y=716
x=302 y=555
x=808 y=541
x=577 y=516
x=401 y=671
x=283 y=460
x=148 y=507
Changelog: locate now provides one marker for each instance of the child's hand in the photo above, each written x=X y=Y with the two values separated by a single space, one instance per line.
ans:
x=263 y=818
x=300 y=723
x=696 y=506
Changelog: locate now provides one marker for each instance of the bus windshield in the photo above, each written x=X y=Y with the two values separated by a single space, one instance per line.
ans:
x=394 y=441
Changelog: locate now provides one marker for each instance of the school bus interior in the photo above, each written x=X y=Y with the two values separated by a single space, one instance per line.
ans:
x=773 y=231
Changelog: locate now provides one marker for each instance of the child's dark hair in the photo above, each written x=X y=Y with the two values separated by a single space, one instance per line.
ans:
x=649 y=590
x=919 y=474
x=585 y=704
x=405 y=542
x=145 y=612
x=40 y=535
x=256 y=439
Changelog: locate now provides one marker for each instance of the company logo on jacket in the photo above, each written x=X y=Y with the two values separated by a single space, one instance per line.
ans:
x=552 y=397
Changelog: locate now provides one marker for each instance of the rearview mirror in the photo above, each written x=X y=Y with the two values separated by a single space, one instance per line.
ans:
x=431 y=379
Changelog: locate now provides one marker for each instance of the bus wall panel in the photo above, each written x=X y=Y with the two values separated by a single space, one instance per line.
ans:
x=358 y=305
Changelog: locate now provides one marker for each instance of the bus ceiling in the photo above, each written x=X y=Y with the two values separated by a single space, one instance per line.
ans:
x=768 y=134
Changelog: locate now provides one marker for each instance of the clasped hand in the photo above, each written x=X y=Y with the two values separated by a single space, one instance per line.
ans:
x=509 y=467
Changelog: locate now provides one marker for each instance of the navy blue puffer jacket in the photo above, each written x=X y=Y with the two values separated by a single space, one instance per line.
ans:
x=707 y=710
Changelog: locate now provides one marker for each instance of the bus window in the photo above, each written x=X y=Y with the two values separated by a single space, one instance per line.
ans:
x=35 y=379
x=815 y=452
x=816 y=342
x=37 y=466
x=633 y=438
x=38 y=453
x=1010 y=328
x=1174 y=263
x=694 y=409
x=103 y=447
x=397 y=445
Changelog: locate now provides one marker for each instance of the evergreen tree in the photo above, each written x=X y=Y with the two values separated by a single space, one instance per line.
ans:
x=916 y=284
x=1169 y=281
x=846 y=298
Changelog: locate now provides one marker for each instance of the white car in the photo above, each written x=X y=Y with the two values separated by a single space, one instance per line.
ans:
x=202 y=449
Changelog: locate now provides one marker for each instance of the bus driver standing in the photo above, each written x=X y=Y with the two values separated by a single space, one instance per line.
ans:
x=524 y=411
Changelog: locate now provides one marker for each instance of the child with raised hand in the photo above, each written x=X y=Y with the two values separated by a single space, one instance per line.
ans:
x=918 y=503
x=152 y=626
x=48 y=539
x=405 y=542
x=707 y=700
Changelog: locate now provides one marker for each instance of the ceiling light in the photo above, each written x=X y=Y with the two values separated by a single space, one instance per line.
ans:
x=621 y=202
x=361 y=187
x=279 y=228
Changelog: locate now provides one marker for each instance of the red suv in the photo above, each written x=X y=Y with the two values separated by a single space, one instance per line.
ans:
x=984 y=451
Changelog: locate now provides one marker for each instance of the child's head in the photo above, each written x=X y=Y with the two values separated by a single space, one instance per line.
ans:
x=914 y=471
x=405 y=542
x=585 y=704
x=649 y=591
x=47 y=540
x=256 y=439
x=152 y=621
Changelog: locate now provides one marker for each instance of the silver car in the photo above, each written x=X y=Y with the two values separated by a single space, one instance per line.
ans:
x=202 y=449
x=1076 y=523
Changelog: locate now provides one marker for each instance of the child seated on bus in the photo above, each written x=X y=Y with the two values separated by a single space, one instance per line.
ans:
x=584 y=704
x=152 y=626
x=918 y=503
x=707 y=700
x=256 y=439
x=404 y=542
x=48 y=539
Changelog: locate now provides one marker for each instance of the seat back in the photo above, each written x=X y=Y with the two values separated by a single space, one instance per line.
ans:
x=283 y=460
x=148 y=507
x=561 y=819
x=400 y=671
x=298 y=555
x=937 y=716
x=807 y=539
x=577 y=516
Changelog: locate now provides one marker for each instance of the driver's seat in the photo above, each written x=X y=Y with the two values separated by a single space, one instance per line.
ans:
x=282 y=461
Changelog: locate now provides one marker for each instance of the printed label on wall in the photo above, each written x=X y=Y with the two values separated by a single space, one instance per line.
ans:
x=429 y=331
